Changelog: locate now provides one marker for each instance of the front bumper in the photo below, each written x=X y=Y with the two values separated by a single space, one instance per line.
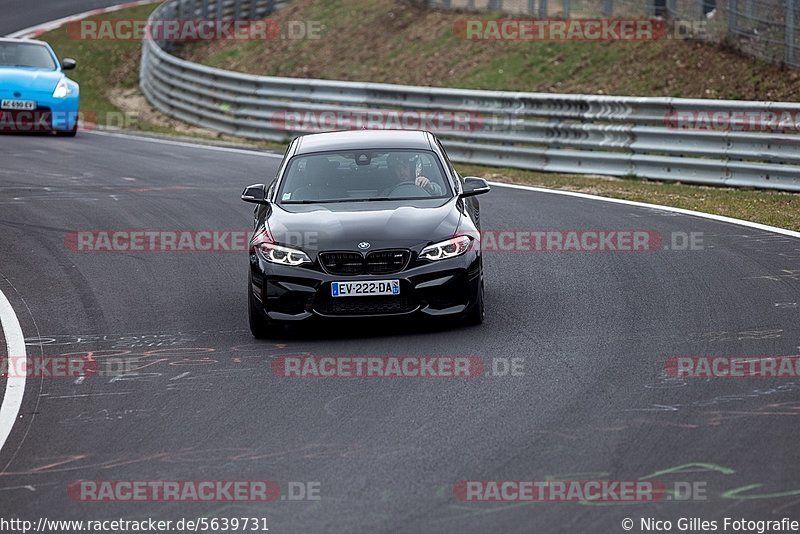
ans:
x=50 y=115
x=444 y=288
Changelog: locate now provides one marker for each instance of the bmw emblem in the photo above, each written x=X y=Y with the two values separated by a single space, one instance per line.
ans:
x=364 y=245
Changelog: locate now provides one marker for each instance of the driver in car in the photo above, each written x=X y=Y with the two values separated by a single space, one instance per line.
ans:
x=404 y=171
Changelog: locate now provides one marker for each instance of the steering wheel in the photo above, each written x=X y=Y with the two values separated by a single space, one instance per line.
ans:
x=407 y=189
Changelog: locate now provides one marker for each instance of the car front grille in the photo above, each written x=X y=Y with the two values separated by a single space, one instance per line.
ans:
x=387 y=261
x=376 y=262
x=368 y=305
x=342 y=262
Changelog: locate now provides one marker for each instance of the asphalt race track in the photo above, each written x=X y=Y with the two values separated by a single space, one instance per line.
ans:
x=200 y=402
x=593 y=331
x=19 y=14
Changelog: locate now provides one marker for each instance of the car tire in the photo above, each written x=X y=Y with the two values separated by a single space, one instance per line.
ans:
x=68 y=133
x=477 y=313
x=260 y=326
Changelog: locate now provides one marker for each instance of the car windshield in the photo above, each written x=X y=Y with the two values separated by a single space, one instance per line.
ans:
x=361 y=176
x=26 y=55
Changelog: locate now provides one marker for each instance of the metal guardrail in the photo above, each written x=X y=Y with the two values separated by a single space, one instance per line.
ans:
x=585 y=134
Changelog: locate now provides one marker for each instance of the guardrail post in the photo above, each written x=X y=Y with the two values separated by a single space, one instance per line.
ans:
x=608 y=8
x=791 y=30
x=733 y=12
x=543 y=8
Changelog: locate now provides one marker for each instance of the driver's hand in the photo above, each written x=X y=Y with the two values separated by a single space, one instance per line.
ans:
x=422 y=181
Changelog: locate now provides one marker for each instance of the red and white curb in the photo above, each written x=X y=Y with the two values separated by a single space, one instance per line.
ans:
x=35 y=31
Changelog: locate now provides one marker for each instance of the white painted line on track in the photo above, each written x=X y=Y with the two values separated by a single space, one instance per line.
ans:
x=15 y=385
x=37 y=30
x=186 y=144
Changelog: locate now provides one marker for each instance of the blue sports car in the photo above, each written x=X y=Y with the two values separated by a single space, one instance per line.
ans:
x=35 y=95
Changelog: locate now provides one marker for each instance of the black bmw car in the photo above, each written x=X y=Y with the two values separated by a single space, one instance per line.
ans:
x=365 y=223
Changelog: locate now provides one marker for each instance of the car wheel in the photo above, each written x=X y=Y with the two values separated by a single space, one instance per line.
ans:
x=260 y=326
x=477 y=313
x=68 y=133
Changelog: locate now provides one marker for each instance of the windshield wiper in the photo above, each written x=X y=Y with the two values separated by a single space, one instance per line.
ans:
x=317 y=201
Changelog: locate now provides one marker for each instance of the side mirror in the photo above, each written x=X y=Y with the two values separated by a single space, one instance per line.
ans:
x=474 y=186
x=68 y=63
x=255 y=194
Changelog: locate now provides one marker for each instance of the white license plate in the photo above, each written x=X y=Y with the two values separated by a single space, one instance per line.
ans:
x=359 y=289
x=27 y=105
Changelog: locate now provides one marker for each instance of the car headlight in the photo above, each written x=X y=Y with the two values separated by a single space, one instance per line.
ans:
x=447 y=249
x=62 y=89
x=282 y=255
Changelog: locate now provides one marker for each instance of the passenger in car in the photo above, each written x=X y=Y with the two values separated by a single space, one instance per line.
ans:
x=317 y=181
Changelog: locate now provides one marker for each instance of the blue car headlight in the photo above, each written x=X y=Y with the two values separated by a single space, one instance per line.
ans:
x=62 y=90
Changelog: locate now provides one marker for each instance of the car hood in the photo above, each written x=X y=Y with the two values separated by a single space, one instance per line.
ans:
x=320 y=227
x=28 y=81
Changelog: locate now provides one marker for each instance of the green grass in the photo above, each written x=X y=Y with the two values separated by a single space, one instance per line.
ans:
x=528 y=66
x=102 y=65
